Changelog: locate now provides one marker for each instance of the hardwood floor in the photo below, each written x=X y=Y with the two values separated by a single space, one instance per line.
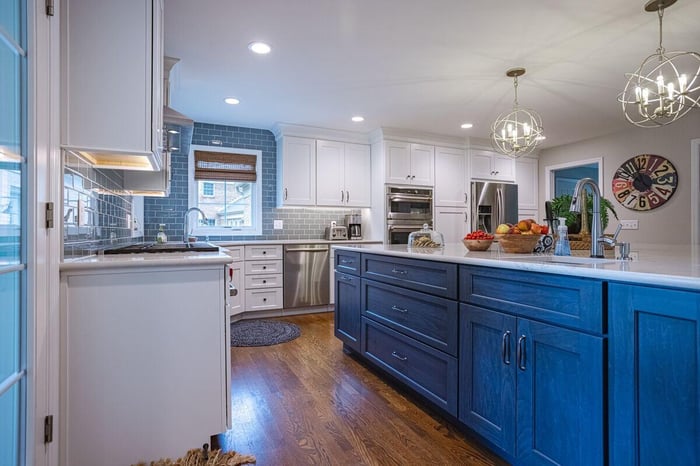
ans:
x=307 y=402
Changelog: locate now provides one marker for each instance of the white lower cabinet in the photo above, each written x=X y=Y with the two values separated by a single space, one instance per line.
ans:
x=144 y=362
x=235 y=278
x=452 y=222
x=263 y=271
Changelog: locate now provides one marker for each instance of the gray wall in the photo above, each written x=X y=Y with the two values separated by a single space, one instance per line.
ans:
x=668 y=224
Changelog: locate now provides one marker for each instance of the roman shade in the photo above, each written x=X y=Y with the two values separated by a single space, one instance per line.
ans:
x=222 y=166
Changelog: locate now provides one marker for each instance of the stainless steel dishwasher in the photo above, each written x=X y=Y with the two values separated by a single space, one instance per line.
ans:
x=306 y=275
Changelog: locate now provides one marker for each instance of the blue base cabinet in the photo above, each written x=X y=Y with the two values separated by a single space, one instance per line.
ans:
x=654 y=381
x=520 y=387
x=348 y=326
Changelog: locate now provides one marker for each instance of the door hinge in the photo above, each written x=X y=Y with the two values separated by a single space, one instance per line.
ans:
x=49 y=7
x=48 y=429
x=49 y=215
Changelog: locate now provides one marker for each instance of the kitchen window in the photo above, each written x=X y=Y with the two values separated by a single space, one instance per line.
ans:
x=226 y=184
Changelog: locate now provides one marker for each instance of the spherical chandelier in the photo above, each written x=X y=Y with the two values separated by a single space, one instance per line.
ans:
x=666 y=86
x=518 y=132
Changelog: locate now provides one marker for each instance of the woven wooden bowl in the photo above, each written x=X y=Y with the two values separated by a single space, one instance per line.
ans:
x=477 y=244
x=518 y=244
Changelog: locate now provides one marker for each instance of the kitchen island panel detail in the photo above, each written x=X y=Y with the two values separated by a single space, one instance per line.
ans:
x=438 y=278
x=348 y=309
x=655 y=376
x=426 y=318
x=428 y=371
x=572 y=302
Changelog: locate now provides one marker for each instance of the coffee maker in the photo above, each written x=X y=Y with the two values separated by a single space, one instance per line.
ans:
x=354 y=223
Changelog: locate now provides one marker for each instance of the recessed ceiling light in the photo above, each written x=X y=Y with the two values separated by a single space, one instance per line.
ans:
x=232 y=101
x=358 y=119
x=466 y=125
x=261 y=48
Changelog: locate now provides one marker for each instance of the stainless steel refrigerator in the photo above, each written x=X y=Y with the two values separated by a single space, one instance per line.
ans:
x=492 y=204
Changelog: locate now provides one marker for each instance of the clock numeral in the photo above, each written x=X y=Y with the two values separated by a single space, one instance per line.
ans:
x=622 y=194
x=668 y=178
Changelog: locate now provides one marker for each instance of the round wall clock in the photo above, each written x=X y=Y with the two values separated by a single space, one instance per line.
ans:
x=645 y=182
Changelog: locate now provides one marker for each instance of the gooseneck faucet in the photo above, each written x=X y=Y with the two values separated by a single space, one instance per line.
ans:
x=597 y=238
x=186 y=235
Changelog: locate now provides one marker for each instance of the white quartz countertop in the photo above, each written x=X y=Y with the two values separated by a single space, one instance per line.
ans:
x=162 y=259
x=673 y=266
x=294 y=241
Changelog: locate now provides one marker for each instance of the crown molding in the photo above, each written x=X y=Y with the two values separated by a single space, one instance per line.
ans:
x=419 y=137
x=314 y=132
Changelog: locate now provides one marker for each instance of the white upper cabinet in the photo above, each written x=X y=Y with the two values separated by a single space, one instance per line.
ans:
x=112 y=75
x=451 y=178
x=358 y=175
x=526 y=178
x=296 y=171
x=408 y=163
x=489 y=165
x=452 y=222
x=342 y=174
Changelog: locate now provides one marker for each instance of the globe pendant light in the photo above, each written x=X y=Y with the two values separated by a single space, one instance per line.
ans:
x=519 y=131
x=666 y=86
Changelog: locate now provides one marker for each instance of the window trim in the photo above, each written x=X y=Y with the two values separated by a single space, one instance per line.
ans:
x=200 y=230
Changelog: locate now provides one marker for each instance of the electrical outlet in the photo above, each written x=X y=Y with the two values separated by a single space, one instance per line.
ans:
x=630 y=224
x=278 y=224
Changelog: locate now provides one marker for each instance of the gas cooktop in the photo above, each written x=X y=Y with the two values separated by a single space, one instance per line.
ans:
x=138 y=248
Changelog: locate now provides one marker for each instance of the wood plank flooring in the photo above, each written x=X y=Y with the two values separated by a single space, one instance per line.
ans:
x=307 y=402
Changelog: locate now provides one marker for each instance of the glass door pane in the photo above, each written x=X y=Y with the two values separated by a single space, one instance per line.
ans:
x=13 y=260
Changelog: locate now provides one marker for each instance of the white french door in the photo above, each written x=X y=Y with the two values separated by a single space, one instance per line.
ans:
x=13 y=234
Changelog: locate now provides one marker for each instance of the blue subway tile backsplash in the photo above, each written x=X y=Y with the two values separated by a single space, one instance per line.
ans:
x=307 y=223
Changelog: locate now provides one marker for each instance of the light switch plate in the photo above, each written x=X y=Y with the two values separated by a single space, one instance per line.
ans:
x=630 y=224
x=278 y=224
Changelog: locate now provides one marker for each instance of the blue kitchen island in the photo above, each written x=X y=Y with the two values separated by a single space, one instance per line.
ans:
x=578 y=362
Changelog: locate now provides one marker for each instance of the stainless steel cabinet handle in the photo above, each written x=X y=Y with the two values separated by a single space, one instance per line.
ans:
x=466 y=198
x=505 y=348
x=342 y=196
x=521 y=353
x=408 y=177
x=413 y=177
x=399 y=272
x=347 y=196
x=285 y=194
x=398 y=356
x=345 y=278
x=399 y=309
x=347 y=261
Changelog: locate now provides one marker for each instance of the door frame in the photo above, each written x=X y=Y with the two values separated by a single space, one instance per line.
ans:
x=550 y=169
x=694 y=191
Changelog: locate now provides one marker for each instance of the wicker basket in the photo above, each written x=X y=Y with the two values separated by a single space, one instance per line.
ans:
x=579 y=242
x=519 y=244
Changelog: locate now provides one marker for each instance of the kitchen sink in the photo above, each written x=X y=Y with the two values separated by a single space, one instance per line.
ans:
x=572 y=260
x=199 y=246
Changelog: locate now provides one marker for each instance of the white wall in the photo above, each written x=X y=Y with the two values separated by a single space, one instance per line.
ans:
x=668 y=224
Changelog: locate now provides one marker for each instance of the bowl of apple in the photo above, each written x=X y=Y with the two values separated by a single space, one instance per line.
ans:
x=478 y=240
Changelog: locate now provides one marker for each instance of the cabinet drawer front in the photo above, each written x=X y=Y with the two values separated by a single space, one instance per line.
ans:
x=261 y=267
x=430 y=372
x=572 y=302
x=234 y=251
x=258 y=300
x=347 y=262
x=438 y=278
x=424 y=317
x=263 y=281
x=268 y=251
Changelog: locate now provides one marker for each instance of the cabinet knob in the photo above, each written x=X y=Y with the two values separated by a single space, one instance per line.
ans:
x=408 y=177
x=264 y=267
x=264 y=281
x=264 y=252
x=264 y=300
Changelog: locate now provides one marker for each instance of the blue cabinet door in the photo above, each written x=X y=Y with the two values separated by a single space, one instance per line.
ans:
x=654 y=376
x=348 y=325
x=487 y=374
x=560 y=396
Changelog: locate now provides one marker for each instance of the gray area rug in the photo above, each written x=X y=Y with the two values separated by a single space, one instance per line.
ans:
x=262 y=332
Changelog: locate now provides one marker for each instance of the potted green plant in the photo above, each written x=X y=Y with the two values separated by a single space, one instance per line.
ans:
x=561 y=205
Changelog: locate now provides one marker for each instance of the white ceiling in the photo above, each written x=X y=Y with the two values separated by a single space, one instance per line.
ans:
x=415 y=64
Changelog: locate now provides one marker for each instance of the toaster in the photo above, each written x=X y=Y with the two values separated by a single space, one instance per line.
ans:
x=336 y=233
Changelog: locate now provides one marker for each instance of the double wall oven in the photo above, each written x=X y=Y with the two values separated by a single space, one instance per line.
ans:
x=407 y=209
